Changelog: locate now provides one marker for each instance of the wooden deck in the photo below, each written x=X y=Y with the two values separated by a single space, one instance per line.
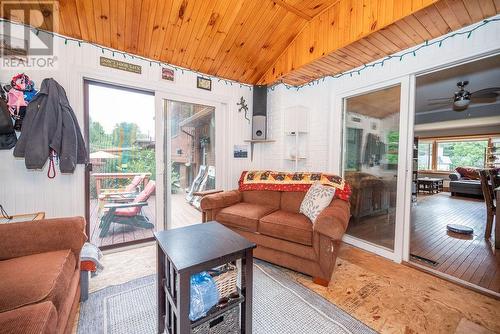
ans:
x=470 y=258
x=183 y=214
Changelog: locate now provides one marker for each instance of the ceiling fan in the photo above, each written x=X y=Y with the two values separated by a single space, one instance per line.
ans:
x=463 y=98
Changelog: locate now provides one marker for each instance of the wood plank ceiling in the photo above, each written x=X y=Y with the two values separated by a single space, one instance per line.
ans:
x=264 y=41
x=306 y=58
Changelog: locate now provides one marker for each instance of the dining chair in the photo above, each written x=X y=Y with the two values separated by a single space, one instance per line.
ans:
x=487 y=177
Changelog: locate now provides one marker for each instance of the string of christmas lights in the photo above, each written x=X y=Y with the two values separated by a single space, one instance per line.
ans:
x=397 y=56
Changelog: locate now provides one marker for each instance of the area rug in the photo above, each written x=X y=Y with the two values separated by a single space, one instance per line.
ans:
x=280 y=305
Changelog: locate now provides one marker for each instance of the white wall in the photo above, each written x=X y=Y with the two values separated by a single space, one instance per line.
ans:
x=325 y=114
x=27 y=191
x=24 y=191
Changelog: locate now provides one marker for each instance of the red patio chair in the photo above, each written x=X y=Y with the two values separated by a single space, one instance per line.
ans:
x=128 y=213
x=125 y=193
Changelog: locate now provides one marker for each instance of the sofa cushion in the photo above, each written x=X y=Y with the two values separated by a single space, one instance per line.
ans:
x=469 y=173
x=291 y=200
x=318 y=197
x=263 y=197
x=37 y=318
x=244 y=215
x=289 y=226
x=34 y=278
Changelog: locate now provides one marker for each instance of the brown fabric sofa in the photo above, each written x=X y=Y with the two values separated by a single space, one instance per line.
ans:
x=40 y=275
x=271 y=219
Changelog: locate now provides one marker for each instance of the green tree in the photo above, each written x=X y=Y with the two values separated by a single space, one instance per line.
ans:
x=465 y=153
x=99 y=139
x=142 y=161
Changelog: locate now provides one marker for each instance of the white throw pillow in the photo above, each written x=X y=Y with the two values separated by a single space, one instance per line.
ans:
x=317 y=198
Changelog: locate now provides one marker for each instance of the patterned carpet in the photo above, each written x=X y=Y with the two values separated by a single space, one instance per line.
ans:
x=280 y=305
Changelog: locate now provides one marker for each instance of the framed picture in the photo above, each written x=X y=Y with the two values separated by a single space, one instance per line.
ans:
x=204 y=83
x=167 y=74
x=240 y=151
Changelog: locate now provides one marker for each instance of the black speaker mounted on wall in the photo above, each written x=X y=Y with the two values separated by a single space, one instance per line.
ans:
x=259 y=116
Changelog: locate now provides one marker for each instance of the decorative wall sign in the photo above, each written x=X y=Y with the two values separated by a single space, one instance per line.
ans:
x=240 y=151
x=204 y=83
x=167 y=74
x=243 y=106
x=120 y=65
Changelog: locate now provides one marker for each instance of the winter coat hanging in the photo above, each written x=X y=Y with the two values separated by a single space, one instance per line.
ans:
x=51 y=126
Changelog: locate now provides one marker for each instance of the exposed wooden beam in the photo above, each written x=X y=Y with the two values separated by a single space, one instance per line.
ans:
x=291 y=8
x=344 y=23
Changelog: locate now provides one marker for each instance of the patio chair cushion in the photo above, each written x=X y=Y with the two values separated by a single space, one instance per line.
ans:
x=290 y=226
x=35 y=278
x=244 y=215
x=143 y=196
x=132 y=186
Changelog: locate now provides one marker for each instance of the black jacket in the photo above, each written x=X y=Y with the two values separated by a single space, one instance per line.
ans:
x=8 y=137
x=50 y=123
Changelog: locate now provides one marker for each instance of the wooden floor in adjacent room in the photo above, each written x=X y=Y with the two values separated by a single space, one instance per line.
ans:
x=469 y=258
x=389 y=297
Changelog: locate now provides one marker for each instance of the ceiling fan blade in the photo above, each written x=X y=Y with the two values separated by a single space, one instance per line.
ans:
x=438 y=104
x=491 y=92
x=441 y=99
x=483 y=99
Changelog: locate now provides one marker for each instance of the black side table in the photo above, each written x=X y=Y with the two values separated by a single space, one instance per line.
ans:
x=186 y=251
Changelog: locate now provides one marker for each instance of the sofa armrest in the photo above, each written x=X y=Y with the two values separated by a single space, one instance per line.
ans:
x=454 y=176
x=38 y=236
x=332 y=221
x=220 y=200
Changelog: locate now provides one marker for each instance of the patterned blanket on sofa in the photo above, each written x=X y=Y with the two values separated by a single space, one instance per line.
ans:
x=286 y=181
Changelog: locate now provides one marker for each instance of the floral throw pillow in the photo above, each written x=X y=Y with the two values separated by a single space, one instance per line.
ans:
x=317 y=198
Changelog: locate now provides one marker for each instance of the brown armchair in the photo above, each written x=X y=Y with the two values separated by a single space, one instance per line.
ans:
x=271 y=219
x=40 y=271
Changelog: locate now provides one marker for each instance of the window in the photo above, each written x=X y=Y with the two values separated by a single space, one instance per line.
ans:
x=453 y=154
x=445 y=155
x=425 y=155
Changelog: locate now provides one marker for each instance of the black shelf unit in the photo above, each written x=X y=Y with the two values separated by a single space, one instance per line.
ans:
x=186 y=251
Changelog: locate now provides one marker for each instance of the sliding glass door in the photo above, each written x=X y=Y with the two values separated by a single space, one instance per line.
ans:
x=373 y=163
x=121 y=188
x=190 y=160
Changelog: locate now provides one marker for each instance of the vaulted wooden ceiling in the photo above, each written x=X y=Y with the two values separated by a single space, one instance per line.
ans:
x=264 y=41
x=352 y=33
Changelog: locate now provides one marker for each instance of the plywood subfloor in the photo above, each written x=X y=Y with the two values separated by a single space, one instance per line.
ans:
x=389 y=297
x=469 y=258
